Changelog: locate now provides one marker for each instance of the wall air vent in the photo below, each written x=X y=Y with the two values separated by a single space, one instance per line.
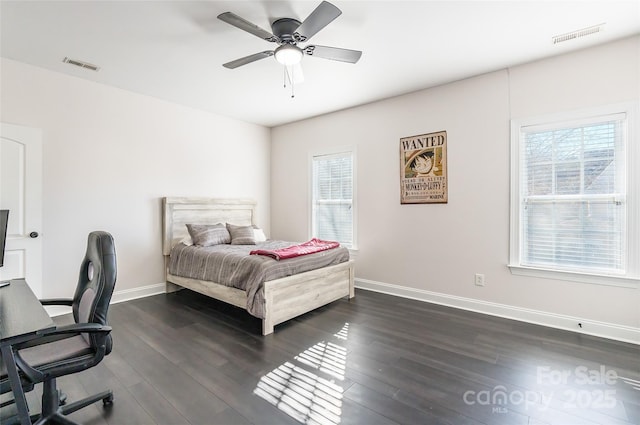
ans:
x=577 y=34
x=81 y=64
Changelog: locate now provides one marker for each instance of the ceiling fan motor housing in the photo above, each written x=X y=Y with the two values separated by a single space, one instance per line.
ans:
x=285 y=28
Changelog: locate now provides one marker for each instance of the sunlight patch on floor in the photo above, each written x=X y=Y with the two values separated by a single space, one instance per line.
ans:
x=297 y=389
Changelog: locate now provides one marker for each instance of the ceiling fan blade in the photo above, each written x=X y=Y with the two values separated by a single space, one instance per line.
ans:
x=238 y=22
x=322 y=16
x=248 y=59
x=333 y=53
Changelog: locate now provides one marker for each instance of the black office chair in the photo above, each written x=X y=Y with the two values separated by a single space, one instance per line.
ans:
x=76 y=347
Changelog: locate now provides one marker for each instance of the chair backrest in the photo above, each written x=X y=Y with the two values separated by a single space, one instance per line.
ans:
x=96 y=283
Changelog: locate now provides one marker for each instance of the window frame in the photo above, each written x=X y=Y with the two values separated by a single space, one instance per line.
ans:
x=354 y=208
x=631 y=277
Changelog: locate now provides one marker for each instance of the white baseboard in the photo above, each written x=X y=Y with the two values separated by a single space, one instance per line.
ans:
x=559 y=321
x=141 y=292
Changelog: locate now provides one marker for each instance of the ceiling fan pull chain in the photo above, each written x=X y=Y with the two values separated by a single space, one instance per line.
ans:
x=288 y=75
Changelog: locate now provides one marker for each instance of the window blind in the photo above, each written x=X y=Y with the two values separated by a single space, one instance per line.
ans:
x=573 y=212
x=333 y=197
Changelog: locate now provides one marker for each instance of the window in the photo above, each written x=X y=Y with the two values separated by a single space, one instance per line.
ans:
x=573 y=198
x=332 y=198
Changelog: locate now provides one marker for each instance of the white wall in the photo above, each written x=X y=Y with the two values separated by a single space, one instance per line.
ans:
x=433 y=251
x=110 y=156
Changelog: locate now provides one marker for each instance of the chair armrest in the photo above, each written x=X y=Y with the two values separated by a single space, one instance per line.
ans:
x=76 y=328
x=62 y=332
x=57 y=301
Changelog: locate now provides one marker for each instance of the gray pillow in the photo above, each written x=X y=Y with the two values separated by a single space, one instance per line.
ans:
x=241 y=235
x=209 y=234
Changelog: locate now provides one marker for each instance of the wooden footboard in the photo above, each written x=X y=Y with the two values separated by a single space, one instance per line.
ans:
x=292 y=296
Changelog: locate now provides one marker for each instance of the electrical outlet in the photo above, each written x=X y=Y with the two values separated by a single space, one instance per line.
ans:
x=479 y=279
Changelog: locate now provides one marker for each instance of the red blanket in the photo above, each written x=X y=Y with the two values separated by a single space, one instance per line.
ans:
x=310 y=247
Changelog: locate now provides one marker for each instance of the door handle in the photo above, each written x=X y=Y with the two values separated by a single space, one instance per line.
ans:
x=33 y=235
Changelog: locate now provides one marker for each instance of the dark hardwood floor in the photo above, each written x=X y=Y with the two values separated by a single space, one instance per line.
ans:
x=377 y=359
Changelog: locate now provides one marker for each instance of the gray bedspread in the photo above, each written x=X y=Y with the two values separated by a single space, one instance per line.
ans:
x=231 y=265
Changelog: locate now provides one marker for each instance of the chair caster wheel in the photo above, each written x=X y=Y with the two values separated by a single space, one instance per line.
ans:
x=108 y=400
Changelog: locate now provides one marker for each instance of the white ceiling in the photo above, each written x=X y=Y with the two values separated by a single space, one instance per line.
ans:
x=174 y=50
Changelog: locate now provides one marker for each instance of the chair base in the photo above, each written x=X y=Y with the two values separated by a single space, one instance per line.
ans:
x=54 y=413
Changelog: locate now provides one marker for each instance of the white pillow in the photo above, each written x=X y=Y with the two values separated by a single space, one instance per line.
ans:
x=259 y=235
x=187 y=241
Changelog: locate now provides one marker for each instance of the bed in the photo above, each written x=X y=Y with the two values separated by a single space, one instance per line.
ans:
x=283 y=298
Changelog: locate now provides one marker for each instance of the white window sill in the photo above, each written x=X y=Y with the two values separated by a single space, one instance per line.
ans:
x=608 y=280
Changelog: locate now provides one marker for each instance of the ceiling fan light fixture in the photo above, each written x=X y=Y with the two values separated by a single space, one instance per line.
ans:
x=288 y=54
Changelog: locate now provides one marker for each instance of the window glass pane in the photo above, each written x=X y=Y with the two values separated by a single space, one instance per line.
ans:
x=334 y=222
x=599 y=176
x=568 y=144
x=568 y=178
x=600 y=140
x=539 y=179
x=578 y=235
x=539 y=147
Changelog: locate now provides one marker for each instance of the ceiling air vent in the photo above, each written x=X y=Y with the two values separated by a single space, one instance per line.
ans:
x=577 y=34
x=81 y=64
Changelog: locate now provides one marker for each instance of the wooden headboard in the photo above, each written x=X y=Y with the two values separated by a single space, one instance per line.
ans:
x=178 y=211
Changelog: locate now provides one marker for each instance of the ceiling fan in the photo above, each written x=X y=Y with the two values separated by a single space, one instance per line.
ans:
x=287 y=33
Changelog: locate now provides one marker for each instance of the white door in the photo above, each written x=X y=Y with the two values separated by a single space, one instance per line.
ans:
x=21 y=194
